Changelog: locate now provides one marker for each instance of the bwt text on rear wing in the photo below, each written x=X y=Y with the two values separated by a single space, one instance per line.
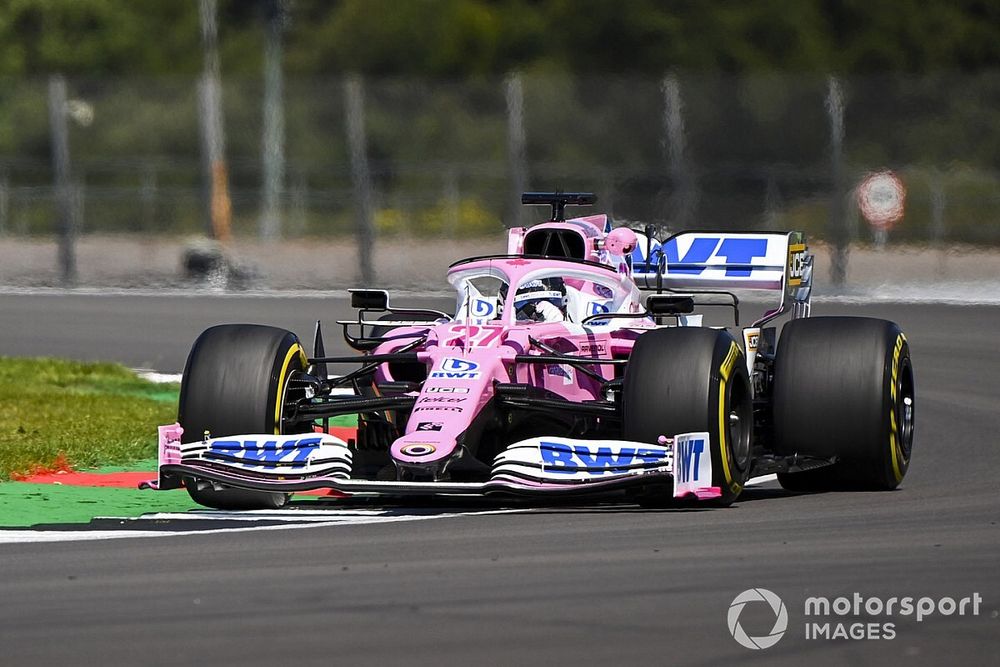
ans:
x=699 y=262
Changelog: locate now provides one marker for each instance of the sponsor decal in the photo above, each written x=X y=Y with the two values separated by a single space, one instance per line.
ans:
x=796 y=264
x=457 y=369
x=688 y=460
x=430 y=426
x=437 y=408
x=603 y=292
x=453 y=364
x=598 y=308
x=483 y=308
x=574 y=458
x=593 y=348
x=739 y=252
x=417 y=449
x=440 y=399
x=454 y=375
x=446 y=390
x=558 y=370
x=294 y=450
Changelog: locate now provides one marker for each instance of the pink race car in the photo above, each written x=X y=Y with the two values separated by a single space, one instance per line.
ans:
x=555 y=377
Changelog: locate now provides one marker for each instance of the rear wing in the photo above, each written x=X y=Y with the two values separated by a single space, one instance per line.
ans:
x=700 y=261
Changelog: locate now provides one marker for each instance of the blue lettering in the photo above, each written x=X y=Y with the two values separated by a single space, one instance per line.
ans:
x=742 y=251
x=226 y=444
x=738 y=253
x=455 y=375
x=699 y=252
x=251 y=451
x=605 y=458
x=558 y=457
x=649 y=455
x=268 y=451
x=699 y=446
x=569 y=459
x=690 y=459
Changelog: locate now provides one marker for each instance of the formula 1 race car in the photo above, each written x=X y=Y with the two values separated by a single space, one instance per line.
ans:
x=554 y=376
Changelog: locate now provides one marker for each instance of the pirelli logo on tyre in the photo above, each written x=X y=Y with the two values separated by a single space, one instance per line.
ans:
x=796 y=263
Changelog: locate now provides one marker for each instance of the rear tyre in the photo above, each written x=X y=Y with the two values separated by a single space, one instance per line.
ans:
x=234 y=382
x=843 y=387
x=684 y=379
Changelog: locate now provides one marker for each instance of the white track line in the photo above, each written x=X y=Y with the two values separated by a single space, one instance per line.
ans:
x=33 y=536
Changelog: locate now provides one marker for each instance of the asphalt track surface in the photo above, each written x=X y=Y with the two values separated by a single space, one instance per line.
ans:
x=567 y=585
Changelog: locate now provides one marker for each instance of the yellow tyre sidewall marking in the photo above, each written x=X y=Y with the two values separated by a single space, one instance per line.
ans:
x=724 y=372
x=293 y=351
x=895 y=451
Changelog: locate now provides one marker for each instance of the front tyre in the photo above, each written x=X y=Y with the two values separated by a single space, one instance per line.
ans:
x=234 y=382
x=843 y=388
x=683 y=380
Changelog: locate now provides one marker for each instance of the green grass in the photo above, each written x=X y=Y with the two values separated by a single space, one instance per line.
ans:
x=84 y=414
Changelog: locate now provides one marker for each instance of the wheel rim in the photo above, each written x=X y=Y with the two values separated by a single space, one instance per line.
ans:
x=905 y=411
x=740 y=424
x=295 y=390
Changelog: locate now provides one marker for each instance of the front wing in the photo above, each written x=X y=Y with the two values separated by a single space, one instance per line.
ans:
x=535 y=467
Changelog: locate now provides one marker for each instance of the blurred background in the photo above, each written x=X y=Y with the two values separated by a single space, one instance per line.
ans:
x=317 y=144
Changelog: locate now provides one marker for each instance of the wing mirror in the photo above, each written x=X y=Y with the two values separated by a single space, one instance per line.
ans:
x=669 y=304
x=369 y=299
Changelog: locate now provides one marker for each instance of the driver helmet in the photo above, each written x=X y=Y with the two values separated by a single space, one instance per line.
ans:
x=541 y=300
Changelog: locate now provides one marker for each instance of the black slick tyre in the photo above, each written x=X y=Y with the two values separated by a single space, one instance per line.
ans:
x=682 y=380
x=234 y=382
x=843 y=388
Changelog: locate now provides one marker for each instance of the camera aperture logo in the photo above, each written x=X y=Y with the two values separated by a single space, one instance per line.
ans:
x=780 y=618
x=855 y=617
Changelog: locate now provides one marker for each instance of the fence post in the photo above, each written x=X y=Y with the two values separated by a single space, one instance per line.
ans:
x=147 y=194
x=4 y=203
x=684 y=197
x=452 y=202
x=938 y=202
x=516 y=146
x=62 y=185
x=837 y=230
x=212 y=131
x=360 y=176
x=299 y=204
x=273 y=141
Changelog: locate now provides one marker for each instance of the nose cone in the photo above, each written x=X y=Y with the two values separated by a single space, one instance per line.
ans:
x=423 y=448
x=457 y=387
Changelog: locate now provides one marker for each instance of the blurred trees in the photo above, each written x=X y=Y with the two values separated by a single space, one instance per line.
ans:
x=752 y=77
x=458 y=38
